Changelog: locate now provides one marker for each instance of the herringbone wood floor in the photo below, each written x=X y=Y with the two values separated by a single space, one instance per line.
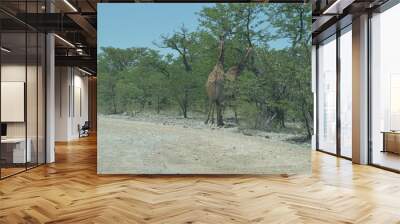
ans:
x=69 y=191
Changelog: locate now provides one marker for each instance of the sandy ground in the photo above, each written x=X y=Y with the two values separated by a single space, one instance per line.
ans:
x=128 y=146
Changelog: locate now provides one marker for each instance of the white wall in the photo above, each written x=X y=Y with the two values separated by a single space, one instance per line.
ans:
x=13 y=72
x=17 y=73
x=10 y=73
x=71 y=87
x=80 y=100
x=62 y=82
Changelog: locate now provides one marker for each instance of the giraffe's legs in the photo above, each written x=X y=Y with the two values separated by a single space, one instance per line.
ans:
x=210 y=113
x=220 y=121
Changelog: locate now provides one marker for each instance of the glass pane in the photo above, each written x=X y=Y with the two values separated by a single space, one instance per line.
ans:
x=31 y=88
x=23 y=90
x=327 y=96
x=346 y=93
x=32 y=95
x=41 y=99
x=385 y=89
x=14 y=153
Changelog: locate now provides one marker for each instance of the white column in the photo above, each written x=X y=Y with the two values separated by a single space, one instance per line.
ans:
x=62 y=103
x=50 y=99
x=360 y=90
x=50 y=92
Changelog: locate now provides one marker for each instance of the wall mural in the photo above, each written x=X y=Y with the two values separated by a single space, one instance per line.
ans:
x=204 y=88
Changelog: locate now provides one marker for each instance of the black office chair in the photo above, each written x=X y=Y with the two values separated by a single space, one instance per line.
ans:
x=84 y=130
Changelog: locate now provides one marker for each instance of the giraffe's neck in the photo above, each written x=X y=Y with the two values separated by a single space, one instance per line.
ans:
x=217 y=73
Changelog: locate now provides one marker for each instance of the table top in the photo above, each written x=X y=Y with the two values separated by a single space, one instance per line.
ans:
x=13 y=140
x=391 y=132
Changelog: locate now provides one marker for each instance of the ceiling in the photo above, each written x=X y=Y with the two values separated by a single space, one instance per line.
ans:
x=331 y=15
x=73 y=21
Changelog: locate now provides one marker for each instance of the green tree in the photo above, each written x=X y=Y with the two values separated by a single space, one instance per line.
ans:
x=272 y=93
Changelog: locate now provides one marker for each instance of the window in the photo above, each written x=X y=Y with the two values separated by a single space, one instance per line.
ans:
x=346 y=92
x=385 y=89
x=22 y=87
x=327 y=95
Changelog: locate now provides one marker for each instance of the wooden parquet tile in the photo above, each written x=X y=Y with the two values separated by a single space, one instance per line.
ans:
x=70 y=191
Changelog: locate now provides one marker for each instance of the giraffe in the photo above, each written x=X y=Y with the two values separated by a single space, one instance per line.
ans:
x=234 y=71
x=215 y=87
x=215 y=83
x=231 y=76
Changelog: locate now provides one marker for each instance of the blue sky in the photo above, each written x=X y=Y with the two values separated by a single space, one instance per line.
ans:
x=139 y=25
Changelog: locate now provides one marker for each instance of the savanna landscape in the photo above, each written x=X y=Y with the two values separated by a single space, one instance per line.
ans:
x=232 y=95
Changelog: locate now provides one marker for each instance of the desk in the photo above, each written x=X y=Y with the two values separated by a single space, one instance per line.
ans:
x=15 y=148
x=391 y=141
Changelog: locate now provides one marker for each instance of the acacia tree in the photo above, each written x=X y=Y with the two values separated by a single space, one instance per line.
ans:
x=293 y=22
x=238 y=26
x=112 y=61
x=181 y=42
